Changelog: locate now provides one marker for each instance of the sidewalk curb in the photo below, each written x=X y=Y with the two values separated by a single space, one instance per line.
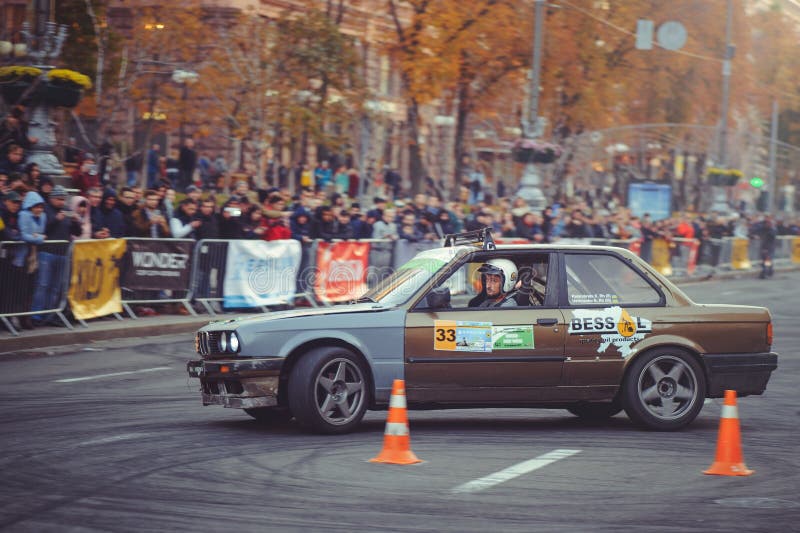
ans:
x=102 y=331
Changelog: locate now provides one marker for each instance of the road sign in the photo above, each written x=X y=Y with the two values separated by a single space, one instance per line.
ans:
x=671 y=35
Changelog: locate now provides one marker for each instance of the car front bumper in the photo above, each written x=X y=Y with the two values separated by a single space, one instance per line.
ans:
x=240 y=384
x=746 y=373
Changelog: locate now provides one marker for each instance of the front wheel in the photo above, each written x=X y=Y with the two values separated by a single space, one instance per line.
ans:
x=664 y=389
x=328 y=390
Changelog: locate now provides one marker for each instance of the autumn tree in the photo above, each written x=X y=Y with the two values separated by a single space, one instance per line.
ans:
x=289 y=81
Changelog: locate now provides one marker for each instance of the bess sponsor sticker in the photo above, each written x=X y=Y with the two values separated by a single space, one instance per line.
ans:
x=614 y=325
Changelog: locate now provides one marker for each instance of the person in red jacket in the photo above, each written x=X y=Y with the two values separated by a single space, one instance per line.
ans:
x=85 y=176
x=274 y=219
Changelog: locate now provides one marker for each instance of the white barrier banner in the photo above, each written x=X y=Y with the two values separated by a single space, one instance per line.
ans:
x=260 y=273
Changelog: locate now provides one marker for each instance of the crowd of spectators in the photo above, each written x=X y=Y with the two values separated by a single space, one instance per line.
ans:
x=33 y=210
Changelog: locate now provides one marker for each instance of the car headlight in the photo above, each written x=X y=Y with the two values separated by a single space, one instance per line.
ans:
x=223 y=342
x=233 y=342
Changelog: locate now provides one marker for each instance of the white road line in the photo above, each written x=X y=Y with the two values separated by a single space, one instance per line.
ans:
x=514 y=471
x=115 y=374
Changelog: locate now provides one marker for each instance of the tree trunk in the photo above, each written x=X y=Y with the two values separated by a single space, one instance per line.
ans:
x=416 y=167
x=462 y=116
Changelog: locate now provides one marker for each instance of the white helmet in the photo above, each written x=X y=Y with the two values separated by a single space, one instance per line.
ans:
x=504 y=268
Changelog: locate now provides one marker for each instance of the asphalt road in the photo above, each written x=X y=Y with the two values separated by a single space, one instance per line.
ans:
x=115 y=439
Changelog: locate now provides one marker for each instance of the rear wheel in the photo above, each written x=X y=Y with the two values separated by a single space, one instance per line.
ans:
x=328 y=390
x=664 y=389
x=595 y=410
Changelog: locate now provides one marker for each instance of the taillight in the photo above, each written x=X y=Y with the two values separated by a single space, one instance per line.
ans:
x=769 y=333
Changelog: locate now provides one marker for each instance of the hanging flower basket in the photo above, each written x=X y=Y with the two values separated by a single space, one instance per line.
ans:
x=26 y=85
x=531 y=151
x=44 y=92
x=724 y=177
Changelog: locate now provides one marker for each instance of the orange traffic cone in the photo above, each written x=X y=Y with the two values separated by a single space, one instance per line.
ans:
x=396 y=440
x=729 y=460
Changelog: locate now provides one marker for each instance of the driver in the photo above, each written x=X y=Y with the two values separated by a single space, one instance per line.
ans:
x=498 y=278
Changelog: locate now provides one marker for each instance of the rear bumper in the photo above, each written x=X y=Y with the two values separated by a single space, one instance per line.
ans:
x=746 y=373
x=241 y=384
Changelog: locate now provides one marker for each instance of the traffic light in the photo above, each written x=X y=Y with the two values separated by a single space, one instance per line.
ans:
x=756 y=182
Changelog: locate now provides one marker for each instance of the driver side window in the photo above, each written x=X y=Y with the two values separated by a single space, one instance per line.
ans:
x=527 y=286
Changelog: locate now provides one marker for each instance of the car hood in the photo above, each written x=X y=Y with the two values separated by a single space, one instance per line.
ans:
x=266 y=318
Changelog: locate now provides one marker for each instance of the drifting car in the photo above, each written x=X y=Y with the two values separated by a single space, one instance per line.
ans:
x=591 y=329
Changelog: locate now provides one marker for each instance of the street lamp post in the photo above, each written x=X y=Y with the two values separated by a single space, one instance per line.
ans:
x=530 y=183
x=184 y=78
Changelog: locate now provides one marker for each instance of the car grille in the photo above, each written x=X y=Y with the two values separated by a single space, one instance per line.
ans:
x=207 y=342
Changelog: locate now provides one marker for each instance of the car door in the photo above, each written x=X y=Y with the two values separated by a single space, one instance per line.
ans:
x=468 y=355
x=609 y=306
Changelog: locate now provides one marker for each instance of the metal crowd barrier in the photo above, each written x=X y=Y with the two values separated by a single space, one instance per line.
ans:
x=44 y=292
x=137 y=296
x=208 y=273
x=29 y=292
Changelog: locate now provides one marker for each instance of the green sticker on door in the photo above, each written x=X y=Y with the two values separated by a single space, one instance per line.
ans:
x=512 y=337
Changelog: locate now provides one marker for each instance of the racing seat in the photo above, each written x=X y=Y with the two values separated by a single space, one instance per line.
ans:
x=527 y=295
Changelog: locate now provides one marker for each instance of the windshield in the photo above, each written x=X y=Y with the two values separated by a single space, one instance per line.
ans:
x=408 y=279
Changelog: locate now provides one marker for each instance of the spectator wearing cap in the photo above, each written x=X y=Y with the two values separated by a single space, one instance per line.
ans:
x=61 y=224
x=9 y=231
x=85 y=176
x=194 y=193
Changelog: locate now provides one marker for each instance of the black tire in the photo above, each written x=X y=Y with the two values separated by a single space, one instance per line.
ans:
x=664 y=389
x=595 y=410
x=329 y=390
x=270 y=415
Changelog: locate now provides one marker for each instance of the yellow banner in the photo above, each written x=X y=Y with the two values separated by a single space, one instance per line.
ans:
x=660 y=259
x=796 y=250
x=94 y=283
x=740 y=259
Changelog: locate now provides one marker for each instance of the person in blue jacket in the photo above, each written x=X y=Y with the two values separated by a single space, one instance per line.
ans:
x=32 y=224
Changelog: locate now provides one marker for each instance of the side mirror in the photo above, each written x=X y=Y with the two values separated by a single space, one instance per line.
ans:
x=438 y=298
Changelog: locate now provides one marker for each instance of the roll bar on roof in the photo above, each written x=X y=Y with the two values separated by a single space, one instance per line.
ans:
x=481 y=237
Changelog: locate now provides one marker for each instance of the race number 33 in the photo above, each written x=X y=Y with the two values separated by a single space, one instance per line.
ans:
x=444 y=335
